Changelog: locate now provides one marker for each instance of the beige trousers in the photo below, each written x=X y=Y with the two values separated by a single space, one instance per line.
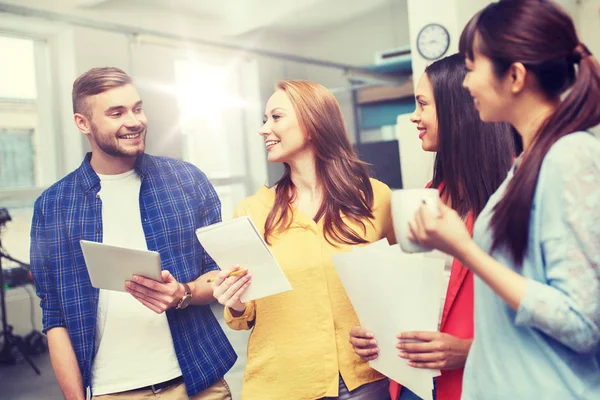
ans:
x=218 y=391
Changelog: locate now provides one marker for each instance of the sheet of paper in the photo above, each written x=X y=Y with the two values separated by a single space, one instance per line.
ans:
x=447 y=271
x=238 y=242
x=393 y=292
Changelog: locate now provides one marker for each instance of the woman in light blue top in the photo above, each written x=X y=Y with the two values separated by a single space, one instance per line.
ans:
x=536 y=245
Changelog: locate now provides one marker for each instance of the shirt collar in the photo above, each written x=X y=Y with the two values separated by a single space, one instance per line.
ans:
x=90 y=179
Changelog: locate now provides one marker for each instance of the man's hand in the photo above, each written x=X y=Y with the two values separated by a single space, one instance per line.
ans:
x=363 y=343
x=157 y=296
x=435 y=351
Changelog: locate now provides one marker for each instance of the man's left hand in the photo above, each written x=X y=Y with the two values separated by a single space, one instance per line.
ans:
x=434 y=351
x=157 y=296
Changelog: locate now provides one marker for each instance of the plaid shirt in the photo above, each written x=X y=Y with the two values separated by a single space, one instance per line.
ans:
x=176 y=198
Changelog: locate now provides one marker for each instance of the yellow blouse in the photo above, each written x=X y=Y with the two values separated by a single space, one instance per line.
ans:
x=300 y=339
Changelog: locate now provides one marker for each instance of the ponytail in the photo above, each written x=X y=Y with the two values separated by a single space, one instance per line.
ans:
x=579 y=111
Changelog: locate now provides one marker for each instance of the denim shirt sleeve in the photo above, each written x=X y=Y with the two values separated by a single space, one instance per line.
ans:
x=42 y=274
x=210 y=213
x=567 y=306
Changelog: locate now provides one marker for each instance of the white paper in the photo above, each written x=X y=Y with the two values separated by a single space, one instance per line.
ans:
x=238 y=242
x=394 y=292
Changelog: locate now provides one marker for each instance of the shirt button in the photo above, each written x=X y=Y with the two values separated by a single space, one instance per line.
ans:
x=97 y=195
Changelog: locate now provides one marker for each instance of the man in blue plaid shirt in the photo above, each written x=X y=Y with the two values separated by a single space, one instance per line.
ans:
x=155 y=336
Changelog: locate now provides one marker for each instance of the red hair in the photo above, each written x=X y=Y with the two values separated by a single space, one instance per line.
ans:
x=345 y=179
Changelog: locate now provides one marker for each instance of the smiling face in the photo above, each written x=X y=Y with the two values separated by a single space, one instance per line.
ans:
x=281 y=130
x=491 y=94
x=425 y=115
x=116 y=124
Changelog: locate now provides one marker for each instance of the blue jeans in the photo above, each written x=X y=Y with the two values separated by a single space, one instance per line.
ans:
x=379 y=390
x=407 y=394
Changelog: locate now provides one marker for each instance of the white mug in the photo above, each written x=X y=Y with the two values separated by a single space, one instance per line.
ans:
x=405 y=204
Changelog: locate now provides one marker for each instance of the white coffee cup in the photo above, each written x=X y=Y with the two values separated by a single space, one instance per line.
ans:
x=405 y=204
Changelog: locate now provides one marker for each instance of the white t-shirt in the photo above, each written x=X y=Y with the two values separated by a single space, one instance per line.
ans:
x=134 y=347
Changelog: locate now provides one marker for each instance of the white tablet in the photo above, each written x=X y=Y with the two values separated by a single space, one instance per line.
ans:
x=111 y=266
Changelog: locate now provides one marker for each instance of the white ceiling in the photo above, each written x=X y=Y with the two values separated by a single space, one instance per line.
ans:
x=237 y=17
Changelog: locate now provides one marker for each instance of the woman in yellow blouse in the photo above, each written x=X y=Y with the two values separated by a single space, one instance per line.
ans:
x=324 y=203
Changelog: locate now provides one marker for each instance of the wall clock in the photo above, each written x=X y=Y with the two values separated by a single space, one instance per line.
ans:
x=433 y=41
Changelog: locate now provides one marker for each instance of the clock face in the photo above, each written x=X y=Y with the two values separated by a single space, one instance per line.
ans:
x=433 y=41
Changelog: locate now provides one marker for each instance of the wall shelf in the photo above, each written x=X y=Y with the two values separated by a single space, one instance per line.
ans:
x=382 y=93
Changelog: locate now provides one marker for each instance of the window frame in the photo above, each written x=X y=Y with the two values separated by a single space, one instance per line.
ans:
x=46 y=138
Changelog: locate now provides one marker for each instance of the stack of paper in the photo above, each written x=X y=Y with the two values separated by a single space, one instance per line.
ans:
x=238 y=242
x=394 y=292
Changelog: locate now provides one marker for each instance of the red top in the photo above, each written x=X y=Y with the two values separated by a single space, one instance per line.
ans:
x=457 y=320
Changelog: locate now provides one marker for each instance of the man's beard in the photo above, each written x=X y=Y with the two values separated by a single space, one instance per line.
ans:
x=110 y=145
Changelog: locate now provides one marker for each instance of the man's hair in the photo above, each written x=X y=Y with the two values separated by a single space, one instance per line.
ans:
x=95 y=81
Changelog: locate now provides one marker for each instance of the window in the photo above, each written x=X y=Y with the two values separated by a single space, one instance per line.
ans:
x=18 y=114
x=17 y=165
x=211 y=114
x=27 y=144
x=204 y=107
x=17 y=69
x=212 y=108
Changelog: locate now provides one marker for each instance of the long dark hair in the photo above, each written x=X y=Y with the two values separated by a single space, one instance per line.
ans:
x=344 y=178
x=473 y=157
x=541 y=36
